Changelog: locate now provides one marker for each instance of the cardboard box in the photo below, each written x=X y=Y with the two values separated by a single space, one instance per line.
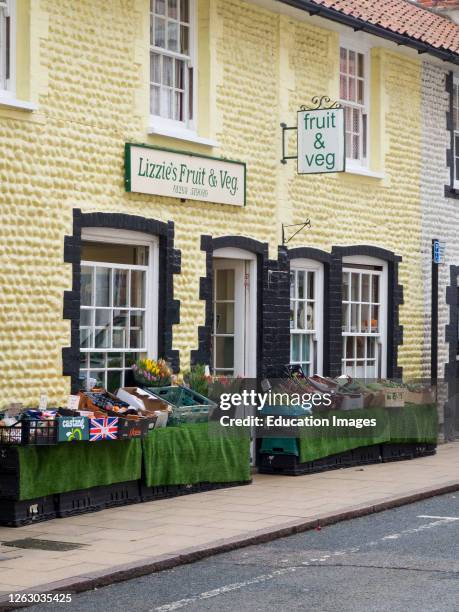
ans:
x=350 y=401
x=149 y=402
x=393 y=397
x=105 y=428
x=133 y=428
x=87 y=403
x=130 y=398
x=72 y=428
x=425 y=396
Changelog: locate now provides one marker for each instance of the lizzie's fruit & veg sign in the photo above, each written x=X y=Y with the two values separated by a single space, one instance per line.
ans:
x=187 y=176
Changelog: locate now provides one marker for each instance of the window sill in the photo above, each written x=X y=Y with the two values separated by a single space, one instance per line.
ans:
x=11 y=102
x=362 y=171
x=182 y=134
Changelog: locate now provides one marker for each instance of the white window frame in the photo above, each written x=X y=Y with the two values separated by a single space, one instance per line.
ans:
x=317 y=334
x=165 y=126
x=358 y=46
x=383 y=308
x=455 y=128
x=127 y=237
x=8 y=86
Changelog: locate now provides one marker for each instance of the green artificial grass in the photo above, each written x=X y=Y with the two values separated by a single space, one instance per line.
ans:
x=318 y=442
x=46 y=470
x=190 y=454
x=414 y=423
x=411 y=424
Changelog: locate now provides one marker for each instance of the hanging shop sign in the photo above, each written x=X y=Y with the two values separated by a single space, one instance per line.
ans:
x=321 y=141
x=187 y=176
x=320 y=138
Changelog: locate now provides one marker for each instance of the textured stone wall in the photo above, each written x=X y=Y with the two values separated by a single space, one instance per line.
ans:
x=438 y=213
x=439 y=218
x=91 y=60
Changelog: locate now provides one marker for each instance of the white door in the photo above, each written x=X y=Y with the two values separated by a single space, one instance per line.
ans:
x=228 y=310
x=233 y=338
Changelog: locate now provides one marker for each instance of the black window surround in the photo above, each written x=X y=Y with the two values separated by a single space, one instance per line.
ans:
x=395 y=300
x=450 y=192
x=451 y=329
x=451 y=418
x=273 y=295
x=273 y=340
x=169 y=264
x=273 y=312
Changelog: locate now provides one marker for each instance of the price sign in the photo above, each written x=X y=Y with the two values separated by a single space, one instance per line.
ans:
x=73 y=402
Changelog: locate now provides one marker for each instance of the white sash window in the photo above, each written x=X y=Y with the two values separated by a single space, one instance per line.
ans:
x=7 y=33
x=118 y=304
x=172 y=70
x=364 y=319
x=353 y=86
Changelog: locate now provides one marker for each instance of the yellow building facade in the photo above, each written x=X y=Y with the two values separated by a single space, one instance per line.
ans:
x=83 y=90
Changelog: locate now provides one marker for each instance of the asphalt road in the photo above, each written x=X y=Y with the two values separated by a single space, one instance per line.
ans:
x=406 y=559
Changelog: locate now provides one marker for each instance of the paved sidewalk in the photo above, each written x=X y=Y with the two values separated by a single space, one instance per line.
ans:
x=123 y=542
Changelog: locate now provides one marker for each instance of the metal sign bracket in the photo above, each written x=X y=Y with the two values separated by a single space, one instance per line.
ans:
x=300 y=226
x=318 y=103
x=285 y=128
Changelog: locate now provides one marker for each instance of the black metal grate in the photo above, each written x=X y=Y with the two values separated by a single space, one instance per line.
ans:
x=36 y=544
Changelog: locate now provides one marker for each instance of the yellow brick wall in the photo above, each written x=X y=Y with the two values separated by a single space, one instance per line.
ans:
x=89 y=75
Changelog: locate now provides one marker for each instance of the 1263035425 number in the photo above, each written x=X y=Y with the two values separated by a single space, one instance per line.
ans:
x=40 y=598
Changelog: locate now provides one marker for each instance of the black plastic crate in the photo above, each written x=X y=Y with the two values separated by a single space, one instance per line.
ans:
x=212 y=486
x=9 y=459
x=30 y=432
x=397 y=452
x=9 y=485
x=122 y=493
x=97 y=498
x=79 y=502
x=365 y=455
x=42 y=433
x=17 y=513
x=291 y=466
x=424 y=449
x=167 y=491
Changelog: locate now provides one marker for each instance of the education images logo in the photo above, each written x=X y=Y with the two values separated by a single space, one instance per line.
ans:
x=306 y=401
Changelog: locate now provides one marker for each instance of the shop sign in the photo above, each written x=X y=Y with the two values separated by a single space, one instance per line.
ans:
x=321 y=141
x=187 y=176
x=73 y=401
x=73 y=429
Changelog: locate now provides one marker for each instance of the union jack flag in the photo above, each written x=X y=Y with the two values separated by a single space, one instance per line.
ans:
x=105 y=428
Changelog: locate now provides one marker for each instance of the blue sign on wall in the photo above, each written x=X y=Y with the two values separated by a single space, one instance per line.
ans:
x=439 y=249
